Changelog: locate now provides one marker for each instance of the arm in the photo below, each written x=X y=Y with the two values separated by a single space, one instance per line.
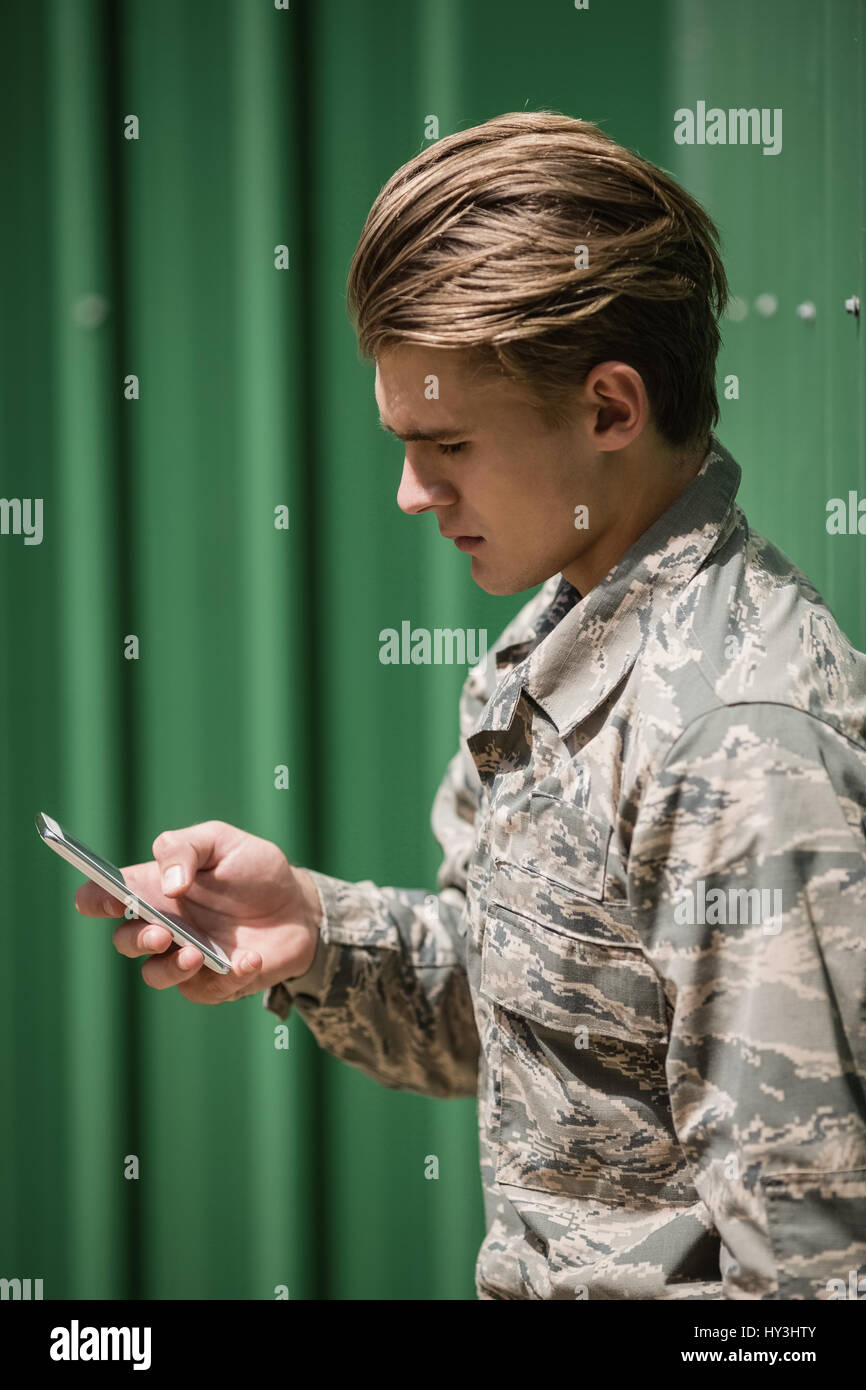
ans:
x=767 y=1053
x=387 y=990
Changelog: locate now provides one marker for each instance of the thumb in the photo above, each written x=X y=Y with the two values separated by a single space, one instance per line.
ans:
x=180 y=854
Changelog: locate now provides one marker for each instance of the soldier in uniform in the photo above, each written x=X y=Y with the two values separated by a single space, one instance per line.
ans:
x=646 y=953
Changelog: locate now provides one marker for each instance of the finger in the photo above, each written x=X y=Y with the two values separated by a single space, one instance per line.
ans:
x=141 y=939
x=93 y=901
x=205 y=986
x=161 y=972
x=181 y=853
x=246 y=962
x=208 y=987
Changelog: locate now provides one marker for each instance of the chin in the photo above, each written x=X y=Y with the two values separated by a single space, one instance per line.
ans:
x=500 y=586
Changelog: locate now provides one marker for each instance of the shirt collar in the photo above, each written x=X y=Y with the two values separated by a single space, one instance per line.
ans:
x=581 y=648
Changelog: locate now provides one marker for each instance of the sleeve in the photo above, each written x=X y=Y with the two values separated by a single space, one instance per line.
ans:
x=387 y=990
x=747 y=872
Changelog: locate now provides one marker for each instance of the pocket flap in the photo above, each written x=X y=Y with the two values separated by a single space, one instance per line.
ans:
x=567 y=844
x=565 y=983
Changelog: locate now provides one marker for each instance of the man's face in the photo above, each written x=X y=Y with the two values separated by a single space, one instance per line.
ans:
x=493 y=471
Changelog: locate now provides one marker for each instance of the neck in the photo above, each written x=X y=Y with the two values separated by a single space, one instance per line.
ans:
x=641 y=507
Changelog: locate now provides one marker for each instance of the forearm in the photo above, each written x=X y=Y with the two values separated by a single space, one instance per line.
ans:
x=386 y=990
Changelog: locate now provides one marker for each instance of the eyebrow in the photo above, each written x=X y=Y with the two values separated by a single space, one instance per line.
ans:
x=437 y=436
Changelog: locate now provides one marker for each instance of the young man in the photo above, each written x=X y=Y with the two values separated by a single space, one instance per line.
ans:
x=646 y=955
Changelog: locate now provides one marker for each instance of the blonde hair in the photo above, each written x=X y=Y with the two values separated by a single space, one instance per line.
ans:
x=472 y=245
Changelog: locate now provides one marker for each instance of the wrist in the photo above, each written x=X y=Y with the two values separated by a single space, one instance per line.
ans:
x=312 y=911
x=310 y=916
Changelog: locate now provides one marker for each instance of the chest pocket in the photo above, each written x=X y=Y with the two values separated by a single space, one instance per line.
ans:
x=578 y=1027
x=566 y=844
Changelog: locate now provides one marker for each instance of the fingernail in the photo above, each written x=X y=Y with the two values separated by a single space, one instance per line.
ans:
x=173 y=878
x=248 y=964
x=111 y=907
x=151 y=940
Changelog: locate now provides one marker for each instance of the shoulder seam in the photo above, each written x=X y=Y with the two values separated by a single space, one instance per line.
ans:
x=758 y=704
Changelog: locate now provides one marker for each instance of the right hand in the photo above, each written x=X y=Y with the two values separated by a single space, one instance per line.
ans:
x=238 y=889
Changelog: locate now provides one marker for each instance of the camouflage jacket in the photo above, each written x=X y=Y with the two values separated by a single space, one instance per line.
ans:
x=647 y=952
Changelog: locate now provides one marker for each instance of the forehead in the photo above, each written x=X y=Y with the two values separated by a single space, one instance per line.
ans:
x=409 y=373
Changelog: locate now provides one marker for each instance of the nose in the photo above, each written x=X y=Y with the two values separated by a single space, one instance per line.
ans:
x=420 y=489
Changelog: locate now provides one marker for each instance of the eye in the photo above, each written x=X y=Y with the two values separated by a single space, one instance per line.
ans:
x=452 y=448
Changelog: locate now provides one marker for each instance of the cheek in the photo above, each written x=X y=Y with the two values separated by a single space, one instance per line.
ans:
x=549 y=507
x=525 y=502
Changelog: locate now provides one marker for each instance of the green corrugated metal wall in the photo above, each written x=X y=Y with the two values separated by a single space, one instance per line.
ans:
x=259 y=127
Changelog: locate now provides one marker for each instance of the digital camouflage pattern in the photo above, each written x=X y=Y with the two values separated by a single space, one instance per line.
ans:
x=647 y=952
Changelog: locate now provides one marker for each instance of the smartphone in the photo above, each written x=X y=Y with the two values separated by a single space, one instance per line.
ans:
x=94 y=867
